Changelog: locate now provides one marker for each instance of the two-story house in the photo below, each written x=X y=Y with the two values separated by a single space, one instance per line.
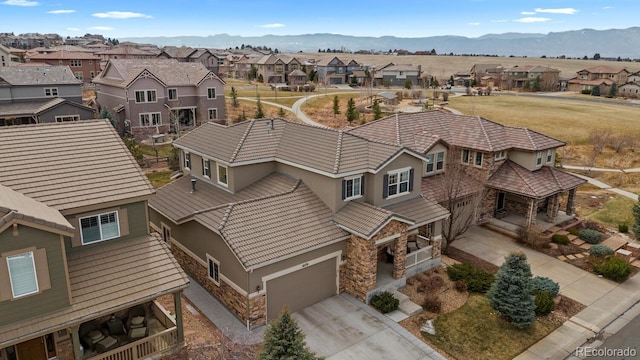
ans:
x=600 y=76
x=397 y=75
x=493 y=71
x=40 y=94
x=271 y=212
x=85 y=66
x=148 y=97
x=6 y=58
x=521 y=77
x=188 y=54
x=336 y=71
x=76 y=257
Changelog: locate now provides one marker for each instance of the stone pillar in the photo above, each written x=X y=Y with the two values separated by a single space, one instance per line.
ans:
x=532 y=210
x=553 y=204
x=571 y=206
x=362 y=265
x=177 y=302
x=64 y=349
x=75 y=339
x=400 y=255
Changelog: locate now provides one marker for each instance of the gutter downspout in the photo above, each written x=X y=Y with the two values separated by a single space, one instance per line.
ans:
x=248 y=307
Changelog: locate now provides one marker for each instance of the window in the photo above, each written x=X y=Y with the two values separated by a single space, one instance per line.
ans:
x=99 y=227
x=187 y=160
x=211 y=93
x=22 y=274
x=440 y=161
x=213 y=114
x=435 y=162
x=65 y=118
x=549 y=156
x=500 y=155
x=78 y=75
x=92 y=74
x=173 y=94
x=279 y=68
x=539 y=158
x=214 y=269
x=398 y=182
x=206 y=168
x=75 y=63
x=478 y=159
x=352 y=187
x=222 y=175
x=90 y=62
x=166 y=233
x=466 y=155
x=145 y=96
x=150 y=119
x=50 y=92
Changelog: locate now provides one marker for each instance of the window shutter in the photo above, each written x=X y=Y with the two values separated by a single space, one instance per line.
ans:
x=123 y=219
x=344 y=189
x=362 y=185
x=385 y=188
x=410 y=180
x=76 y=240
x=42 y=269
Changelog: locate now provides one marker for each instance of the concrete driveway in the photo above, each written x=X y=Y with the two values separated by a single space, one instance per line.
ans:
x=343 y=328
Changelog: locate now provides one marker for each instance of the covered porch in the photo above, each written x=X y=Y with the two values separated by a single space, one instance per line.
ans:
x=182 y=118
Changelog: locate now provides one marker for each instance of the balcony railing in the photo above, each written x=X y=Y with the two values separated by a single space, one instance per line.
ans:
x=421 y=255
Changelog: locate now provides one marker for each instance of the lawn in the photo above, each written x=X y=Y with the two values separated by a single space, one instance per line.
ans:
x=474 y=331
x=163 y=150
x=159 y=178
x=615 y=211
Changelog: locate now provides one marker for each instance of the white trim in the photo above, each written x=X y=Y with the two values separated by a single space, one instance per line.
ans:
x=468 y=156
x=209 y=114
x=475 y=156
x=218 y=166
x=399 y=172
x=51 y=91
x=150 y=114
x=169 y=93
x=500 y=155
x=549 y=156
x=117 y=217
x=216 y=262
x=60 y=118
x=215 y=93
x=539 y=158
x=165 y=226
x=352 y=178
x=207 y=162
x=146 y=93
x=186 y=157
x=35 y=274
x=435 y=169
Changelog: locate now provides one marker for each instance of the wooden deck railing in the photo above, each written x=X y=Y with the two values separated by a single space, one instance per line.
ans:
x=143 y=348
x=423 y=254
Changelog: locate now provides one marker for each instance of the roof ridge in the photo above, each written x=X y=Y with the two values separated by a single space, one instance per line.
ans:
x=516 y=170
x=533 y=144
x=484 y=131
x=236 y=151
x=336 y=165
x=397 y=123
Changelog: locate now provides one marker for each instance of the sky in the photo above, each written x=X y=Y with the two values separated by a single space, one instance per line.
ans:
x=400 y=18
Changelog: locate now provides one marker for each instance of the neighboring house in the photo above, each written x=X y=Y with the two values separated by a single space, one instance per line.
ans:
x=335 y=71
x=462 y=78
x=148 y=97
x=6 y=58
x=479 y=70
x=397 y=75
x=600 y=76
x=188 y=54
x=125 y=52
x=630 y=89
x=271 y=212
x=634 y=77
x=297 y=77
x=580 y=85
x=40 y=94
x=518 y=77
x=76 y=256
x=275 y=68
x=85 y=66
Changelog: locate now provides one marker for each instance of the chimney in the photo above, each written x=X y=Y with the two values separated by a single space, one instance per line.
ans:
x=271 y=124
x=193 y=185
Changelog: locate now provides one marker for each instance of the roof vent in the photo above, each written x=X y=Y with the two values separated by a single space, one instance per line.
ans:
x=193 y=185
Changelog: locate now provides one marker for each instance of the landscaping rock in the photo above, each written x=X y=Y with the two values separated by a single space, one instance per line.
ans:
x=428 y=327
x=553 y=246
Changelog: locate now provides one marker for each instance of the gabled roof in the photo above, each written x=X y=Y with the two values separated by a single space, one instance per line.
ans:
x=39 y=75
x=365 y=220
x=463 y=131
x=34 y=108
x=537 y=184
x=297 y=72
x=420 y=210
x=401 y=67
x=125 y=50
x=69 y=165
x=602 y=69
x=175 y=52
x=64 y=55
x=169 y=71
x=598 y=81
x=327 y=151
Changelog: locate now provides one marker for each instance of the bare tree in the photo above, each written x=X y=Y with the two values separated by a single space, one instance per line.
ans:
x=599 y=139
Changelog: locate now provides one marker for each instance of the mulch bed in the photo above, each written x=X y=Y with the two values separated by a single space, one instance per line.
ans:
x=463 y=257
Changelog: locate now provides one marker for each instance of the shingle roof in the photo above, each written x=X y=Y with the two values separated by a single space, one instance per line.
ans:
x=41 y=75
x=261 y=230
x=170 y=71
x=18 y=206
x=464 y=131
x=326 y=150
x=365 y=220
x=68 y=165
x=538 y=184
x=106 y=278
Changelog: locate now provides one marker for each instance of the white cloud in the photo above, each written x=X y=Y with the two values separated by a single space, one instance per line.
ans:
x=272 y=26
x=499 y=21
x=607 y=8
x=473 y=23
x=532 y=19
x=121 y=15
x=20 y=3
x=57 y=12
x=566 y=11
x=104 y=28
x=528 y=13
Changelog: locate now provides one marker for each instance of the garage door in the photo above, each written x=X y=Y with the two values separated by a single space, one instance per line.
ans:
x=301 y=288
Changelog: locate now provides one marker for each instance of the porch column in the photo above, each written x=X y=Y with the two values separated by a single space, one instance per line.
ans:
x=400 y=256
x=177 y=303
x=531 y=213
x=553 y=203
x=362 y=263
x=571 y=207
x=75 y=342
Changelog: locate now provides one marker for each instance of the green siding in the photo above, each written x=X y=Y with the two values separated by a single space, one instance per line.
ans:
x=49 y=300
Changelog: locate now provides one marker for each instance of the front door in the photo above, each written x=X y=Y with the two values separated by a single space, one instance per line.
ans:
x=500 y=202
x=33 y=349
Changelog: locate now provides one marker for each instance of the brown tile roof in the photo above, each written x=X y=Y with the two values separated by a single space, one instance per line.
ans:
x=17 y=206
x=169 y=71
x=537 y=184
x=463 y=131
x=65 y=55
x=125 y=50
x=34 y=108
x=42 y=75
x=326 y=150
x=263 y=230
x=440 y=188
x=602 y=69
x=594 y=82
x=420 y=210
x=178 y=52
x=365 y=220
x=106 y=278
x=69 y=165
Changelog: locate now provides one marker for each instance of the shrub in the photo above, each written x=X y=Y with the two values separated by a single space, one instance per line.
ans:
x=615 y=269
x=590 y=236
x=385 y=302
x=532 y=237
x=623 y=228
x=432 y=303
x=541 y=283
x=544 y=302
x=431 y=284
x=586 y=92
x=461 y=286
x=600 y=250
x=560 y=239
x=573 y=231
x=477 y=280
x=412 y=281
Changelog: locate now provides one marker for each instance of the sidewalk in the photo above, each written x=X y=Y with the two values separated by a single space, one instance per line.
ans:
x=606 y=301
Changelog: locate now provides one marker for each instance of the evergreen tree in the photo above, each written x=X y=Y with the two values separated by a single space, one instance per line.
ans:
x=613 y=90
x=259 y=111
x=377 y=113
x=352 y=113
x=234 y=97
x=105 y=114
x=408 y=84
x=283 y=340
x=537 y=84
x=595 y=91
x=510 y=294
x=451 y=81
x=336 y=106
x=636 y=216
x=281 y=112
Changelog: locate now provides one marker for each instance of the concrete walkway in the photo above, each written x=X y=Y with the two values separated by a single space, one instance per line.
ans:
x=606 y=300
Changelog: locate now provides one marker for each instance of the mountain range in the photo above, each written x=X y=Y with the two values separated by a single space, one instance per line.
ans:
x=624 y=43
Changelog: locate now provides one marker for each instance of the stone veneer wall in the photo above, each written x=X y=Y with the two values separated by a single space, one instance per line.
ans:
x=64 y=349
x=231 y=298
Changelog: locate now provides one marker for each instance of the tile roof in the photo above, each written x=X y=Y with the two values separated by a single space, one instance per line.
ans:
x=596 y=82
x=105 y=278
x=65 y=55
x=17 y=206
x=440 y=188
x=537 y=184
x=365 y=220
x=262 y=230
x=125 y=50
x=71 y=164
x=170 y=71
x=602 y=69
x=326 y=150
x=41 y=75
x=178 y=52
x=420 y=210
x=463 y=131
x=32 y=108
